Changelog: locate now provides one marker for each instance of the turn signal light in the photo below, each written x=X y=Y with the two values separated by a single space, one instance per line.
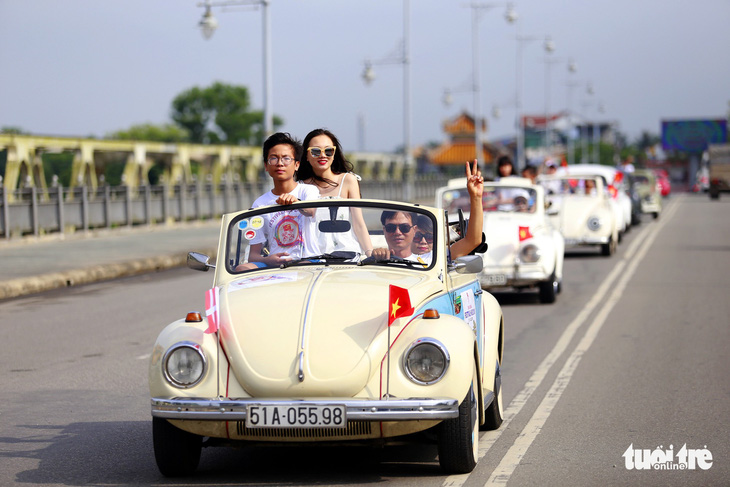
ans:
x=431 y=314
x=193 y=316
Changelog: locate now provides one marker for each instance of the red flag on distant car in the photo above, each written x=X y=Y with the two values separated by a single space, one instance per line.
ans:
x=212 y=311
x=399 y=303
x=524 y=233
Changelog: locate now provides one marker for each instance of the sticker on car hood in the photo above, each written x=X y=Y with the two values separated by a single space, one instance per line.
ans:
x=262 y=281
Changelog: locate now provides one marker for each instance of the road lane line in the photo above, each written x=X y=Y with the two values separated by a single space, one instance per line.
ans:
x=518 y=402
x=514 y=455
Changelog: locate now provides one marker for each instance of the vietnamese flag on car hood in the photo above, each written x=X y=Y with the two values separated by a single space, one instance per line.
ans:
x=212 y=311
x=399 y=304
x=524 y=233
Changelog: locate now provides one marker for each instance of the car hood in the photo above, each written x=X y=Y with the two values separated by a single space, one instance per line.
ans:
x=575 y=212
x=502 y=232
x=327 y=324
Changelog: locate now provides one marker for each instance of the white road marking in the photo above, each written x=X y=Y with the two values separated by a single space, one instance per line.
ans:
x=518 y=402
x=506 y=467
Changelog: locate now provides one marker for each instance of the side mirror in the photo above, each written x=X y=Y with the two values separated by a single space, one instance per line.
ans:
x=199 y=262
x=468 y=264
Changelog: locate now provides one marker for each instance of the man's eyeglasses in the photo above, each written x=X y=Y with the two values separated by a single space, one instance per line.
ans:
x=420 y=235
x=274 y=160
x=317 y=151
x=403 y=227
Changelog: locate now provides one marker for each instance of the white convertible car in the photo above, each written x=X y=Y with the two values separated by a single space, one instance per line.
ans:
x=524 y=249
x=332 y=347
x=583 y=209
x=614 y=183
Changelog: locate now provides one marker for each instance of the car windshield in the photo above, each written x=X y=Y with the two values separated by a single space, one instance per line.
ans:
x=575 y=186
x=494 y=198
x=331 y=232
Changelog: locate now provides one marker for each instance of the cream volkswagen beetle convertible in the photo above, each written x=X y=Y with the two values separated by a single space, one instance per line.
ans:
x=525 y=250
x=330 y=347
x=582 y=208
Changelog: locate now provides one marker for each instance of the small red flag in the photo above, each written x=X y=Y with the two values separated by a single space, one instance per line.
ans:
x=399 y=303
x=212 y=311
x=524 y=233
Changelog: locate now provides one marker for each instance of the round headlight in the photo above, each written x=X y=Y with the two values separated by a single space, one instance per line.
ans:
x=184 y=364
x=594 y=223
x=426 y=361
x=530 y=253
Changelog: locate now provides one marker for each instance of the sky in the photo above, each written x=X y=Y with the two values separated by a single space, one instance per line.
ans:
x=82 y=68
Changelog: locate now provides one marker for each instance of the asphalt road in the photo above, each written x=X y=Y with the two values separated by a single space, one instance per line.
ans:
x=632 y=356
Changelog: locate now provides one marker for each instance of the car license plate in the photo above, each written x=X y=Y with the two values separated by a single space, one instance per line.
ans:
x=296 y=416
x=495 y=279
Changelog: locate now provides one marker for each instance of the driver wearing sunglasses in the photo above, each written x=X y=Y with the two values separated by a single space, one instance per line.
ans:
x=399 y=229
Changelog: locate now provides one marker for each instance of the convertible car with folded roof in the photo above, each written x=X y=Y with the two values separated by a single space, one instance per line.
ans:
x=305 y=339
x=525 y=251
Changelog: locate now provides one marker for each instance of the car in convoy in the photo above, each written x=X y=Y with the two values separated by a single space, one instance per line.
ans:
x=334 y=347
x=718 y=173
x=583 y=209
x=616 y=185
x=665 y=184
x=525 y=251
x=633 y=192
x=648 y=191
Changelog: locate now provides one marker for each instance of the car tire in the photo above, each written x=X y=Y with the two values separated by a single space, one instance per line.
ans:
x=609 y=248
x=458 y=438
x=549 y=290
x=177 y=452
x=494 y=414
x=655 y=215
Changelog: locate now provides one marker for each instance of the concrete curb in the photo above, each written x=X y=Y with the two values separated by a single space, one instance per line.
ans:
x=103 y=272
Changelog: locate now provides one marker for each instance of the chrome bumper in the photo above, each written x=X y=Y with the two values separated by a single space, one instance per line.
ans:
x=357 y=410
x=573 y=242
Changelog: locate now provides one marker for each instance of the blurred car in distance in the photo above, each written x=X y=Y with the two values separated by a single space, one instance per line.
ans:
x=719 y=169
x=524 y=250
x=583 y=210
x=665 y=184
x=648 y=191
x=614 y=183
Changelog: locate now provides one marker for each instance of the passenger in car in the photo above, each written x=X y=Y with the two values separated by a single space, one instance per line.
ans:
x=324 y=166
x=287 y=234
x=423 y=239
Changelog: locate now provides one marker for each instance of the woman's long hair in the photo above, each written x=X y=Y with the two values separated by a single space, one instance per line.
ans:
x=339 y=164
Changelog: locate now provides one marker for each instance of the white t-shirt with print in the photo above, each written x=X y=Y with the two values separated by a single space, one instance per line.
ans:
x=289 y=230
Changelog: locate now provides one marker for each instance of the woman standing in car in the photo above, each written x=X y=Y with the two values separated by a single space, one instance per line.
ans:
x=324 y=165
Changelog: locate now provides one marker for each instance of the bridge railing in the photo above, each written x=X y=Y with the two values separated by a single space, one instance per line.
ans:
x=69 y=210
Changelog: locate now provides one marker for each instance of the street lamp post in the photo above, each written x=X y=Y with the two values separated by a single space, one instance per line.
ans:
x=476 y=10
x=208 y=24
x=597 y=134
x=521 y=41
x=368 y=76
x=584 y=136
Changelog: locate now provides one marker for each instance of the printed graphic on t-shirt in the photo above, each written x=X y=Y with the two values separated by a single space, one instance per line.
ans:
x=287 y=232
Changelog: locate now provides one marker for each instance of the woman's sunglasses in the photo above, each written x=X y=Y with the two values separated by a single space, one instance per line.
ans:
x=420 y=235
x=403 y=227
x=317 y=151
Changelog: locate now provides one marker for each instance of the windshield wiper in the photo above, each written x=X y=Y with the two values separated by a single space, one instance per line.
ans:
x=391 y=260
x=337 y=256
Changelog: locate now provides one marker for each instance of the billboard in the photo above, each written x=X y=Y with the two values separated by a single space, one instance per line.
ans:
x=693 y=135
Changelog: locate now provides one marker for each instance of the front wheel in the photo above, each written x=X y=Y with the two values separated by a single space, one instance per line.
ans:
x=177 y=452
x=494 y=414
x=609 y=248
x=458 y=438
x=548 y=290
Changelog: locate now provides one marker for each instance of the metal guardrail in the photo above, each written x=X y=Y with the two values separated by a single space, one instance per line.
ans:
x=68 y=210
